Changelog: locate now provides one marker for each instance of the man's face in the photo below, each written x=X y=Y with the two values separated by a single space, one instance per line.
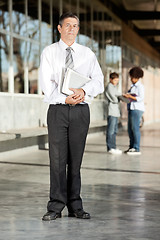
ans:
x=69 y=30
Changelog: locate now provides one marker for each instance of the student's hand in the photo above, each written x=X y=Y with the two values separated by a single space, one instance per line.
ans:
x=130 y=96
x=126 y=95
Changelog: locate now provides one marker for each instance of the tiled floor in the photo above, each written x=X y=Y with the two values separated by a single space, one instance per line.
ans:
x=122 y=193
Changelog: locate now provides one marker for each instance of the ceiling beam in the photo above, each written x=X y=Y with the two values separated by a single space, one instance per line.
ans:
x=142 y=15
x=149 y=32
x=96 y=16
x=116 y=10
x=155 y=44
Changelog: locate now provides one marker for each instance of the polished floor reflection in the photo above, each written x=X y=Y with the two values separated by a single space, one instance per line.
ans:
x=122 y=193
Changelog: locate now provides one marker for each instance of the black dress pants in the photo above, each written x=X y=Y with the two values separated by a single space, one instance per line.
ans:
x=67 y=132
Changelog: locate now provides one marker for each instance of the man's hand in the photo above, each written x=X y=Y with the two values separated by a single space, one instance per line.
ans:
x=74 y=99
x=78 y=91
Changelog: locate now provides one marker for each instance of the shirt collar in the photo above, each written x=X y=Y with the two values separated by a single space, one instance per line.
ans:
x=136 y=84
x=63 y=45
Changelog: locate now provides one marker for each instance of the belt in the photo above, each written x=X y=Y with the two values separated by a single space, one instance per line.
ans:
x=61 y=104
x=72 y=105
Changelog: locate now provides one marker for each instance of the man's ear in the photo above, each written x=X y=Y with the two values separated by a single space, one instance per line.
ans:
x=59 y=28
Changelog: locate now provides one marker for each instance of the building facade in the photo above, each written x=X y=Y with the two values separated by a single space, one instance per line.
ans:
x=27 y=26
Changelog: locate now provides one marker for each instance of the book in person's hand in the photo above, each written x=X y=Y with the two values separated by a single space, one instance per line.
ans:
x=127 y=100
x=73 y=79
x=124 y=99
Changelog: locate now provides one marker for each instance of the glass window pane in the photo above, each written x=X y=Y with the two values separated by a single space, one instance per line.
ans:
x=4 y=62
x=19 y=49
x=4 y=15
x=33 y=22
x=33 y=64
x=19 y=18
x=56 y=34
x=95 y=48
x=46 y=28
x=113 y=48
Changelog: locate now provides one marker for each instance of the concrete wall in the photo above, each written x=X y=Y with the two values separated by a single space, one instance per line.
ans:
x=97 y=110
x=152 y=95
x=18 y=111
x=21 y=111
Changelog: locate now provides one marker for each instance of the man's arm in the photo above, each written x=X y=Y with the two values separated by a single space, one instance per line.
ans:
x=45 y=75
x=96 y=85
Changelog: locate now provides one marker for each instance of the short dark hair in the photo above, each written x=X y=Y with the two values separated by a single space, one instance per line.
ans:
x=114 y=75
x=68 y=15
x=136 y=72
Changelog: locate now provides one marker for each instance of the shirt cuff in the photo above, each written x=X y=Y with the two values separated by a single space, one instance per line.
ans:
x=85 y=90
x=62 y=99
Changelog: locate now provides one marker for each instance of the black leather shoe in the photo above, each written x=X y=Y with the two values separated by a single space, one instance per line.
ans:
x=51 y=216
x=80 y=213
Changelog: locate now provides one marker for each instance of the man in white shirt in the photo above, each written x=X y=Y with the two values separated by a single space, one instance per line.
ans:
x=68 y=116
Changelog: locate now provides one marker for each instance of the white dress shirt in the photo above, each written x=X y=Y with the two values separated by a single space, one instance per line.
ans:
x=137 y=89
x=53 y=63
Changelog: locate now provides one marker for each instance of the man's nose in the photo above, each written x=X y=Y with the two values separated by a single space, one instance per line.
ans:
x=71 y=27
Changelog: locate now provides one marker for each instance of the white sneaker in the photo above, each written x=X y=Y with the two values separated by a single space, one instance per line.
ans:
x=115 y=151
x=133 y=151
x=118 y=151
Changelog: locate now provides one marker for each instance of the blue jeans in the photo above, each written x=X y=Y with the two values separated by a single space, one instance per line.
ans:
x=134 y=118
x=112 y=128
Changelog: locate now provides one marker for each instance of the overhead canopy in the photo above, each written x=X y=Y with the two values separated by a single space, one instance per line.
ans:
x=141 y=15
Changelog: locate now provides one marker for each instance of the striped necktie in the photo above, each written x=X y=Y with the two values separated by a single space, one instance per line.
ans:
x=69 y=59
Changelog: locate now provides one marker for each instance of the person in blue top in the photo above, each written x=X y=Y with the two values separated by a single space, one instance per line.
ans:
x=135 y=110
